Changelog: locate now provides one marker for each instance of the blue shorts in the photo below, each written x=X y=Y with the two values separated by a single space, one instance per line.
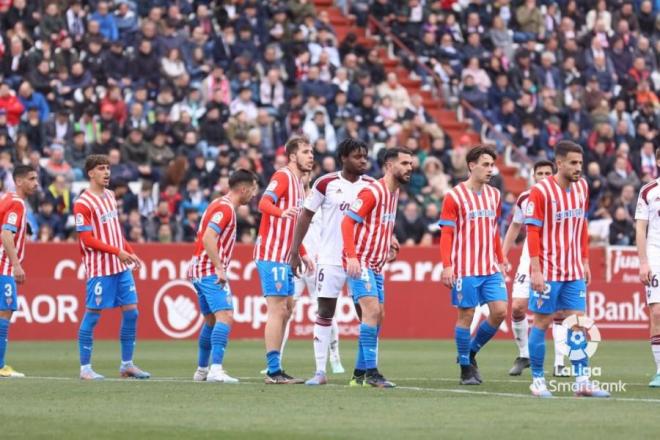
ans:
x=9 y=299
x=559 y=295
x=213 y=297
x=276 y=278
x=469 y=292
x=111 y=291
x=369 y=284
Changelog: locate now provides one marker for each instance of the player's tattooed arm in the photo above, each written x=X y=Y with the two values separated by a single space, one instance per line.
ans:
x=302 y=226
x=644 y=268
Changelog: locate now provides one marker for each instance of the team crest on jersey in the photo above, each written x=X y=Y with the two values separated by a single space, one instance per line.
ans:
x=80 y=220
x=12 y=219
x=357 y=204
x=539 y=303
x=278 y=286
x=272 y=185
x=530 y=209
x=217 y=217
x=459 y=297
x=367 y=286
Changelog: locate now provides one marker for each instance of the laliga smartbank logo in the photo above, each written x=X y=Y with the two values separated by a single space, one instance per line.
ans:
x=581 y=343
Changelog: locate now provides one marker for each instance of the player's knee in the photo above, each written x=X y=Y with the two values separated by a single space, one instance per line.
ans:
x=225 y=316
x=209 y=319
x=130 y=314
x=465 y=317
x=5 y=314
x=518 y=311
x=498 y=315
x=655 y=314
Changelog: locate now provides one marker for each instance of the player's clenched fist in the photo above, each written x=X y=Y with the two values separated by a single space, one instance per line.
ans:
x=290 y=213
x=538 y=284
x=353 y=268
x=447 y=277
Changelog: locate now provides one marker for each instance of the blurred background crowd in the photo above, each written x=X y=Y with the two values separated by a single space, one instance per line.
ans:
x=179 y=93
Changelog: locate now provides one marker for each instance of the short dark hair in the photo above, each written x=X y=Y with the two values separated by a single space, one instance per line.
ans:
x=240 y=176
x=393 y=153
x=544 y=163
x=348 y=145
x=564 y=147
x=292 y=145
x=94 y=160
x=474 y=154
x=21 y=171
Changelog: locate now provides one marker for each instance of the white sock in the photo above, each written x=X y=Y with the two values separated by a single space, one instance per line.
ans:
x=559 y=334
x=85 y=367
x=539 y=382
x=334 y=340
x=322 y=337
x=520 y=334
x=126 y=363
x=285 y=337
x=655 y=348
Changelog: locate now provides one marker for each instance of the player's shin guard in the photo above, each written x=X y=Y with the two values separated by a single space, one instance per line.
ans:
x=462 y=336
x=322 y=337
x=219 y=339
x=536 y=351
x=204 y=344
x=484 y=334
x=4 y=332
x=559 y=333
x=369 y=343
x=86 y=336
x=521 y=336
x=127 y=334
x=273 y=362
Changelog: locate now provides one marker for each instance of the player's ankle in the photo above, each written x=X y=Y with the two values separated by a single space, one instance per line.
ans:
x=358 y=372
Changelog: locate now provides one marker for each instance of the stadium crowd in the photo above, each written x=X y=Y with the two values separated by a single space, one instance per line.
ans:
x=179 y=93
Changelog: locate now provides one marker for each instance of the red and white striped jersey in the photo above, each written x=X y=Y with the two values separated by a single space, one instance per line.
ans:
x=276 y=233
x=99 y=215
x=474 y=219
x=12 y=215
x=221 y=217
x=374 y=210
x=561 y=215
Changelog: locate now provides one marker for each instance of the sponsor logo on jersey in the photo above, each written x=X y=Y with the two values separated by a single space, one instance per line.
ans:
x=357 y=204
x=12 y=219
x=80 y=220
x=217 y=217
x=530 y=209
x=272 y=185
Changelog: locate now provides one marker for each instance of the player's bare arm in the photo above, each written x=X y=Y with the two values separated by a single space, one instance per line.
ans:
x=641 y=227
x=10 y=251
x=298 y=236
x=210 y=242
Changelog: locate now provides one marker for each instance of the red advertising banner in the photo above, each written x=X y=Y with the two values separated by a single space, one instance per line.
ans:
x=622 y=264
x=52 y=301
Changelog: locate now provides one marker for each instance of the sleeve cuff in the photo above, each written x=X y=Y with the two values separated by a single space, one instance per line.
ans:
x=11 y=228
x=533 y=222
x=83 y=228
x=272 y=195
x=215 y=227
x=354 y=216
x=447 y=223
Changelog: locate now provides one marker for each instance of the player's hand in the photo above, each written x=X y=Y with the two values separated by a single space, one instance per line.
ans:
x=645 y=274
x=296 y=263
x=309 y=264
x=129 y=259
x=447 y=277
x=19 y=274
x=221 y=274
x=353 y=268
x=505 y=267
x=180 y=311
x=394 y=250
x=290 y=213
x=538 y=284
x=587 y=273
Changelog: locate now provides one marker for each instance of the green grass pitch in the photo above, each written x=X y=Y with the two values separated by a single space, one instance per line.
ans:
x=429 y=403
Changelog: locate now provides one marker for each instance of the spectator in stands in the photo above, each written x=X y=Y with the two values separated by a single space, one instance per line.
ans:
x=621 y=175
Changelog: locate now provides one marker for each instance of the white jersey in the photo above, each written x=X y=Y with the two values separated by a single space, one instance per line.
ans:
x=648 y=208
x=519 y=210
x=330 y=196
x=312 y=240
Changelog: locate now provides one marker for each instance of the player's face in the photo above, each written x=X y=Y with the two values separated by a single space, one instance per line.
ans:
x=100 y=175
x=28 y=183
x=541 y=173
x=305 y=158
x=402 y=168
x=356 y=162
x=247 y=192
x=570 y=167
x=482 y=170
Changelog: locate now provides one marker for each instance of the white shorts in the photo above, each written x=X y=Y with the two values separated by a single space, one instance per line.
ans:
x=653 y=290
x=521 y=286
x=330 y=281
x=299 y=284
